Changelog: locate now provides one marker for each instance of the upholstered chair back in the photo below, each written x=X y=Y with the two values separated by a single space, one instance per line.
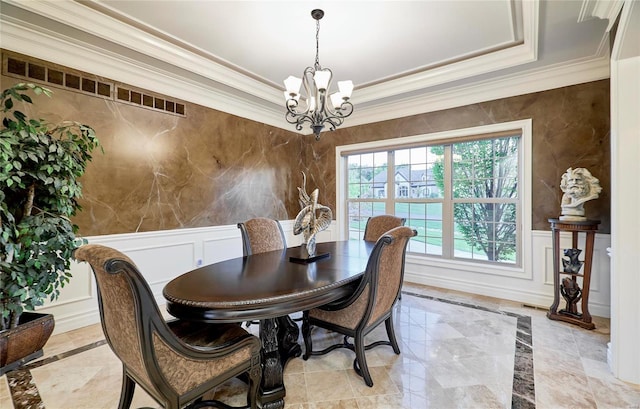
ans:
x=388 y=276
x=260 y=235
x=379 y=225
x=121 y=301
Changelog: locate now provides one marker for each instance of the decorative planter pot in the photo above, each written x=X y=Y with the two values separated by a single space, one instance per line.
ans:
x=24 y=343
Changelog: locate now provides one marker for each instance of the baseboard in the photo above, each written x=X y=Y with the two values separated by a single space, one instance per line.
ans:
x=529 y=298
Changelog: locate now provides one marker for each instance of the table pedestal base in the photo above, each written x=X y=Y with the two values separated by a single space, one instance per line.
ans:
x=279 y=344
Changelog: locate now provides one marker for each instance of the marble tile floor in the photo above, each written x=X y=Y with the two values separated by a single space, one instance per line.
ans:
x=458 y=351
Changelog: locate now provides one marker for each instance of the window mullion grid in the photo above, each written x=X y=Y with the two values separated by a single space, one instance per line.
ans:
x=391 y=183
x=447 y=205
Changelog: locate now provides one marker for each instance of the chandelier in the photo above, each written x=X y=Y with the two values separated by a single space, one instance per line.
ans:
x=314 y=107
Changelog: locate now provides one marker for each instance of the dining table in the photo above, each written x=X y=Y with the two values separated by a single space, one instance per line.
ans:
x=268 y=287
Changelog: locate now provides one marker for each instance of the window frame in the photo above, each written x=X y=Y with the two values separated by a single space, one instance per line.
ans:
x=523 y=270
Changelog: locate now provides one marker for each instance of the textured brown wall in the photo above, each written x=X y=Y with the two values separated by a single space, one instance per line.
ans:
x=570 y=129
x=161 y=171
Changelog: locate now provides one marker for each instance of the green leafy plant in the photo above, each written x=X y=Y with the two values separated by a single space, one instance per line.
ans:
x=40 y=164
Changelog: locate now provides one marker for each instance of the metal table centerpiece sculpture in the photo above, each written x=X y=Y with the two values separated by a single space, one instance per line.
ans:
x=312 y=219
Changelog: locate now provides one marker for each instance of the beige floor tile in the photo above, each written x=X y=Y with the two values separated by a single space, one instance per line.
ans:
x=73 y=339
x=328 y=385
x=339 y=359
x=5 y=394
x=382 y=383
x=333 y=404
x=452 y=356
x=480 y=396
x=615 y=394
x=296 y=389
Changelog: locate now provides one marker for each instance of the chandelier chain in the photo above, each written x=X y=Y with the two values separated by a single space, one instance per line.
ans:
x=317 y=65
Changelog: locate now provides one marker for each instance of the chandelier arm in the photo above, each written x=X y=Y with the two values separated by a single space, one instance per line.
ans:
x=333 y=122
x=332 y=126
x=307 y=83
x=298 y=119
x=292 y=104
x=291 y=115
x=346 y=109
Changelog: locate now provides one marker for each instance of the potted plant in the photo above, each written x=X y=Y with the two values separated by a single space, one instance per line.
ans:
x=40 y=164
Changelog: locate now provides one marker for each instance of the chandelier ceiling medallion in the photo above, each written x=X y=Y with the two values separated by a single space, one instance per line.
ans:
x=313 y=107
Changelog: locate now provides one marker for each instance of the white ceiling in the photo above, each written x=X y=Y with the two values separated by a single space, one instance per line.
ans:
x=270 y=39
x=233 y=55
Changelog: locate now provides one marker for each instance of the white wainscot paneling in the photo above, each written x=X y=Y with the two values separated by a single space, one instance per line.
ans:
x=532 y=286
x=160 y=256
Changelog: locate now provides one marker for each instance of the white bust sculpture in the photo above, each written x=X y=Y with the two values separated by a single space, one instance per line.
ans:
x=579 y=186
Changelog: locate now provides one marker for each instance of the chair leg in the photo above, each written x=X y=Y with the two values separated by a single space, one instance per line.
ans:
x=361 y=360
x=306 y=335
x=388 y=323
x=255 y=377
x=126 y=392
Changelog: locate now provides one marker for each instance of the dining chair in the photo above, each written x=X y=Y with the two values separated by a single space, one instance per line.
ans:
x=176 y=362
x=371 y=303
x=260 y=235
x=378 y=225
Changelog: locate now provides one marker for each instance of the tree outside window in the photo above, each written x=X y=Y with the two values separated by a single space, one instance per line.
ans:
x=484 y=196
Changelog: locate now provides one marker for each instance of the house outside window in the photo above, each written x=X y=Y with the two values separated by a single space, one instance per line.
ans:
x=464 y=195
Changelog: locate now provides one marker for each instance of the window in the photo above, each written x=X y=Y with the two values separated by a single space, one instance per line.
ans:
x=367 y=184
x=463 y=194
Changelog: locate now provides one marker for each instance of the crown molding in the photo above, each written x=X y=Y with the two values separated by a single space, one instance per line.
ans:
x=627 y=43
x=557 y=76
x=604 y=9
x=76 y=15
x=491 y=61
x=39 y=43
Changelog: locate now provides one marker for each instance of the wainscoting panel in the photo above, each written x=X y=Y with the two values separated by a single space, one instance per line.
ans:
x=534 y=288
x=160 y=256
x=163 y=255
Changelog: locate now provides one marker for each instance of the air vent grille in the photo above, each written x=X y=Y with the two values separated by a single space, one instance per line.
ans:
x=135 y=97
x=55 y=76
x=39 y=71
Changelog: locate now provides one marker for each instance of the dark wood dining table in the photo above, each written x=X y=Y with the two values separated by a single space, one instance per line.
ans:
x=268 y=287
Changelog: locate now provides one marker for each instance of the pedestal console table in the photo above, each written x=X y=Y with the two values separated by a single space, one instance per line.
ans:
x=568 y=269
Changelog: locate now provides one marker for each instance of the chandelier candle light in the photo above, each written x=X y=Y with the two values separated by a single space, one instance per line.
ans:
x=316 y=109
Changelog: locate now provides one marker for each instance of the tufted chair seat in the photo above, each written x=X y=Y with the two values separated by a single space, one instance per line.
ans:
x=175 y=362
x=370 y=305
x=379 y=225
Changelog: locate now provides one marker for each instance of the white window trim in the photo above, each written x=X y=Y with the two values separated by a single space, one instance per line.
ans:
x=523 y=271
